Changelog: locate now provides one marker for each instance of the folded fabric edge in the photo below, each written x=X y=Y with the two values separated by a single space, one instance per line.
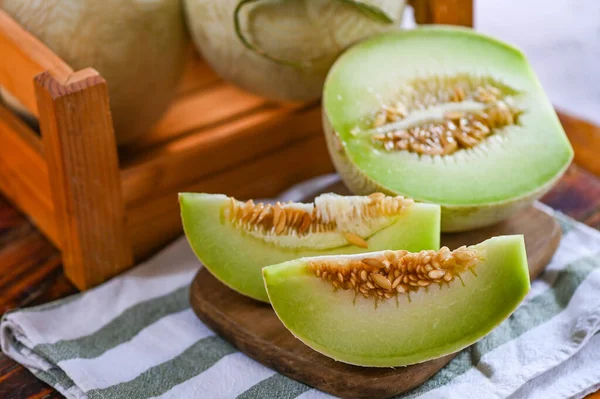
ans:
x=34 y=362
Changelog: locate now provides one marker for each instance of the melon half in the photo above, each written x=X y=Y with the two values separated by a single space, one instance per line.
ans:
x=447 y=116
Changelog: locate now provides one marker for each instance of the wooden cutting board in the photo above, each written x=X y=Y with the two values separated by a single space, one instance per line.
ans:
x=255 y=330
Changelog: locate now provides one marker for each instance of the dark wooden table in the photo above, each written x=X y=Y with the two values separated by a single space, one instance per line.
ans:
x=31 y=273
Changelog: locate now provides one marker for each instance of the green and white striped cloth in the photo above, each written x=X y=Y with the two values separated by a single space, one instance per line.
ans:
x=136 y=337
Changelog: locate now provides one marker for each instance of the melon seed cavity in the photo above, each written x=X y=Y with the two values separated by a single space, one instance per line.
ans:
x=442 y=115
x=329 y=213
x=398 y=272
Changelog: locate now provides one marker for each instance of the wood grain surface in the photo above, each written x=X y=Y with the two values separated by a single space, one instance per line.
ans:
x=32 y=271
x=24 y=173
x=447 y=12
x=81 y=154
x=32 y=58
x=585 y=139
x=254 y=328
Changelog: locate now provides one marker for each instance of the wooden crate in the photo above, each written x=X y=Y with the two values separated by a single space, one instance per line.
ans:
x=103 y=208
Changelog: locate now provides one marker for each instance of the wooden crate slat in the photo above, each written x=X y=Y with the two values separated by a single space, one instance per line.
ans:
x=156 y=221
x=207 y=152
x=30 y=138
x=80 y=148
x=28 y=58
x=196 y=76
x=447 y=12
x=204 y=109
x=24 y=174
x=585 y=139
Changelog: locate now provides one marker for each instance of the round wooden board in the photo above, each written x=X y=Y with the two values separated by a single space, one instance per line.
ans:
x=255 y=330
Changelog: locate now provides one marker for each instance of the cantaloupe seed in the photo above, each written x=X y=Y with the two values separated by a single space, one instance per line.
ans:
x=479 y=109
x=397 y=272
x=302 y=219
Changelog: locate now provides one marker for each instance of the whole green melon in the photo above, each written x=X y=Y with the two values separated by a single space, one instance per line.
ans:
x=138 y=46
x=284 y=48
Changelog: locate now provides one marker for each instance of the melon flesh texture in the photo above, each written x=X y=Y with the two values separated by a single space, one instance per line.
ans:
x=236 y=258
x=475 y=187
x=432 y=324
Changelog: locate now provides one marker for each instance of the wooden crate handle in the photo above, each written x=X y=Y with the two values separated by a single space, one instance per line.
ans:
x=81 y=152
x=447 y=12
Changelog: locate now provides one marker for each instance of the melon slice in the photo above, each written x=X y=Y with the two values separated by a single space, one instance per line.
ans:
x=444 y=115
x=234 y=239
x=394 y=308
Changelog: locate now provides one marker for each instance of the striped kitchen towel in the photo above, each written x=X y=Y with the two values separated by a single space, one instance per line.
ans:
x=136 y=337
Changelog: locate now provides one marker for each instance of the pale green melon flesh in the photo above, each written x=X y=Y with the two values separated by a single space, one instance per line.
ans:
x=432 y=324
x=236 y=258
x=514 y=165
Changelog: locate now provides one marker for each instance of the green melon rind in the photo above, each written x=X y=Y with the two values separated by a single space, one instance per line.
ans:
x=433 y=324
x=483 y=204
x=455 y=218
x=236 y=258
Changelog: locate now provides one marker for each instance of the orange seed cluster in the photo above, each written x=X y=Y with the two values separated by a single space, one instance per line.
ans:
x=397 y=272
